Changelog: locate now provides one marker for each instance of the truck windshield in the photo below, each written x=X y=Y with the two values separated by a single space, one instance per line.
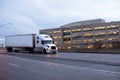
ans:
x=47 y=42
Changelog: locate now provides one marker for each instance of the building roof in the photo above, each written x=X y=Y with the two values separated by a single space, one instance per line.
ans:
x=86 y=22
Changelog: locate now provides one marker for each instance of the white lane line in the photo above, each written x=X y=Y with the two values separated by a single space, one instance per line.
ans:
x=105 y=71
x=98 y=70
x=14 y=65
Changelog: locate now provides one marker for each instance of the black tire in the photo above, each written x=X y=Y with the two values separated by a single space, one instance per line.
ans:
x=44 y=51
x=9 y=49
x=16 y=50
x=31 y=50
x=54 y=53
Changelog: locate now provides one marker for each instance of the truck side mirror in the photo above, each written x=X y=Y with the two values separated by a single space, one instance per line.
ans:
x=53 y=42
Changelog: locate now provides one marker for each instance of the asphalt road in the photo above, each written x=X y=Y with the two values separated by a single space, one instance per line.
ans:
x=15 y=66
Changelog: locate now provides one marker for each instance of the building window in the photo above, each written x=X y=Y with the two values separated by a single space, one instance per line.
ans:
x=88 y=40
x=100 y=39
x=66 y=33
x=68 y=47
x=100 y=28
x=66 y=39
x=113 y=39
x=100 y=34
x=113 y=33
x=89 y=46
x=76 y=30
x=49 y=32
x=56 y=32
x=87 y=29
x=43 y=32
x=99 y=45
x=57 y=37
x=110 y=45
x=56 y=42
x=67 y=42
x=113 y=27
x=88 y=35
x=75 y=37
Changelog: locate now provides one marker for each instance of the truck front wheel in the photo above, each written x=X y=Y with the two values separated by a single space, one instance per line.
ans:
x=44 y=51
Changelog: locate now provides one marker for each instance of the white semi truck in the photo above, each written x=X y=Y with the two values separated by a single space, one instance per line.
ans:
x=30 y=42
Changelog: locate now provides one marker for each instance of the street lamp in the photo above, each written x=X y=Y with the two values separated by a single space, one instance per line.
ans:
x=5 y=24
x=2 y=44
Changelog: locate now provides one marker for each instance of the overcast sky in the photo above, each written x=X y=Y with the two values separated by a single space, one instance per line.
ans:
x=28 y=16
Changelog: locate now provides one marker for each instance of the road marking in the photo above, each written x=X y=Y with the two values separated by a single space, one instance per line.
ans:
x=106 y=71
x=15 y=65
x=100 y=70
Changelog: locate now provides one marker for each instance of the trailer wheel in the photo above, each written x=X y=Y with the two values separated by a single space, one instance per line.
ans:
x=44 y=51
x=16 y=50
x=9 y=49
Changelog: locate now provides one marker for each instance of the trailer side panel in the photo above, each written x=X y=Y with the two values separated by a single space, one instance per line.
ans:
x=19 y=41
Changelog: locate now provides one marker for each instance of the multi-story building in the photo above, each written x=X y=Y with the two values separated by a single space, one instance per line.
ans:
x=88 y=34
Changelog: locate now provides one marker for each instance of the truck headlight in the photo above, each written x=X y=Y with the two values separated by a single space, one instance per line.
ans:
x=56 y=48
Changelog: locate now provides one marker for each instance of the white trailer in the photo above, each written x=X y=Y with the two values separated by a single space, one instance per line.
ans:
x=30 y=42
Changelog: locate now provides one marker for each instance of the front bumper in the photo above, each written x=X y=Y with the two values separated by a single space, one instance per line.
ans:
x=52 y=51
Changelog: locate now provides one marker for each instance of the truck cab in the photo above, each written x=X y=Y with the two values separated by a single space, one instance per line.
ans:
x=45 y=44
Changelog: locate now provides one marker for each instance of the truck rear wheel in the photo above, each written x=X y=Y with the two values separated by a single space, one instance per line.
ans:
x=31 y=50
x=16 y=50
